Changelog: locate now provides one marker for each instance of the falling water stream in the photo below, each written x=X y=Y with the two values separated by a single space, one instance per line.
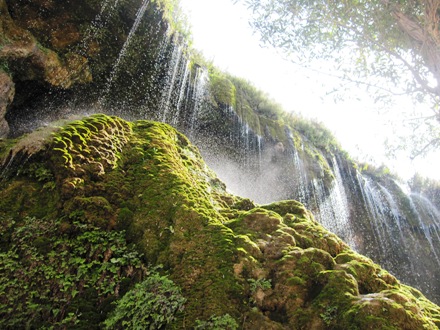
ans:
x=333 y=207
x=170 y=81
x=123 y=52
x=199 y=94
x=421 y=205
x=186 y=76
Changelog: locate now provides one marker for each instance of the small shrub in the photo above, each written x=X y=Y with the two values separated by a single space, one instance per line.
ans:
x=225 y=322
x=330 y=314
x=151 y=304
x=261 y=283
x=4 y=65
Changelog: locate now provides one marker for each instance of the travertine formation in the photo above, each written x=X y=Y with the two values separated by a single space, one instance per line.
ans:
x=145 y=189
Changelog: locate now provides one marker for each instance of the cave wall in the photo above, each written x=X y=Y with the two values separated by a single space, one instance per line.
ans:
x=55 y=51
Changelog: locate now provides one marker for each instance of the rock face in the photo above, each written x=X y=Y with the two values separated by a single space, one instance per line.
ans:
x=29 y=59
x=88 y=210
x=53 y=49
x=23 y=57
x=125 y=57
x=7 y=90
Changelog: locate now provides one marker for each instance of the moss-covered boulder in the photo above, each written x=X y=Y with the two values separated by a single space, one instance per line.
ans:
x=99 y=210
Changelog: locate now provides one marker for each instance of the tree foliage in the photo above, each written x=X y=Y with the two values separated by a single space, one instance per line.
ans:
x=425 y=186
x=174 y=14
x=379 y=37
x=239 y=92
x=392 y=47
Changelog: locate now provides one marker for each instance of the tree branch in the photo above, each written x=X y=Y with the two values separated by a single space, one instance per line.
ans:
x=424 y=149
x=426 y=38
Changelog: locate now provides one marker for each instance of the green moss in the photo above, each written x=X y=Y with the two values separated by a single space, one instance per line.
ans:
x=244 y=204
x=296 y=281
x=272 y=129
x=95 y=210
x=290 y=206
x=339 y=290
x=146 y=179
x=222 y=89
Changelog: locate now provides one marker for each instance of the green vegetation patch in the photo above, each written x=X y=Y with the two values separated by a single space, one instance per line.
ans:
x=151 y=304
x=222 y=89
x=60 y=274
x=101 y=202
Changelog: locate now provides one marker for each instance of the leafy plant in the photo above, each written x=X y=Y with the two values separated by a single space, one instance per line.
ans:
x=260 y=283
x=4 y=65
x=151 y=304
x=224 y=322
x=49 y=278
x=329 y=315
x=314 y=131
x=256 y=99
x=256 y=285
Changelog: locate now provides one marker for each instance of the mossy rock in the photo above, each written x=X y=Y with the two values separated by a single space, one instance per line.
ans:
x=222 y=89
x=144 y=186
x=290 y=206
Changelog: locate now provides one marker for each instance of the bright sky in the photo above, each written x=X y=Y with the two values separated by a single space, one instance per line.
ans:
x=221 y=31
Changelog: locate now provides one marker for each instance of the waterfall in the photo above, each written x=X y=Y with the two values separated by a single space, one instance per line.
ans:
x=259 y=146
x=378 y=208
x=170 y=81
x=7 y=165
x=104 y=7
x=428 y=218
x=139 y=16
x=403 y=227
x=333 y=207
x=199 y=95
x=300 y=179
x=97 y=22
x=123 y=52
x=156 y=86
x=248 y=144
x=152 y=64
x=393 y=210
x=391 y=224
x=186 y=76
